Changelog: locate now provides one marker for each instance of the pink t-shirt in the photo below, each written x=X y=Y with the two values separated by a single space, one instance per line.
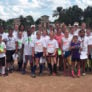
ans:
x=59 y=39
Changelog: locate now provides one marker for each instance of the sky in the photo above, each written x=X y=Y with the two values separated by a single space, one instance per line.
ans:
x=36 y=8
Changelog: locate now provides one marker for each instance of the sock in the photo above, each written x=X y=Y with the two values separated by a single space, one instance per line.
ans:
x=41 y=68
x=34 y=69
x=3 y=70
x=50 y=67
x=55 y=68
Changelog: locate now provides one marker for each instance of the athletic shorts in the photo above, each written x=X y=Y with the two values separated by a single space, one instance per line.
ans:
x=51 y=55
x=39 y=54
x=2 y=61
x=75 y=59
x=9 y=57
x=28 y=57
x=67 y=54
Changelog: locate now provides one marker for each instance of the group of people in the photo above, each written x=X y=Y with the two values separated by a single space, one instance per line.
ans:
x=58 y=48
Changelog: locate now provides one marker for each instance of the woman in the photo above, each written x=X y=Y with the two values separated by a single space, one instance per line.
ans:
x=51 y=52
x=39 y=50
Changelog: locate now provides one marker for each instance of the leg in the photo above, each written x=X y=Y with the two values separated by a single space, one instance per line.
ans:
x=73 y=66
x=78 y=63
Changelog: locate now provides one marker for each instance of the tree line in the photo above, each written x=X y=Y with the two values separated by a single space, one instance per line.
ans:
x=73 y=14
x=68 y=16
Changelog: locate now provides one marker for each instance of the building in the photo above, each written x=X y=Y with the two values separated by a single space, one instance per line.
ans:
x=16 y=21
x=44 y=21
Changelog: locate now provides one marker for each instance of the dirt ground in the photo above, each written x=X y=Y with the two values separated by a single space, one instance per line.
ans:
x=17 y=82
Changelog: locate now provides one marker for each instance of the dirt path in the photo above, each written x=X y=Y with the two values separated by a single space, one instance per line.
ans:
x=24 y=83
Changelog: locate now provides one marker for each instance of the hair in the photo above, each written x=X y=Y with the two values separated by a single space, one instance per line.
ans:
x=10 y=28
x=1 y=28
x=82 y=31
x=20 y=27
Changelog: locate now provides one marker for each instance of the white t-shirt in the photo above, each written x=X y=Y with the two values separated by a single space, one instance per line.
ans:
x=84 y=46
x=33 y=35
x=66 y=43
x=28 y=44
x=24 y=34
x=2 y=47
x=76 y=32
x=15 y=33
x=10 y=43
x=20 y=42
x=52 y=45
x=46 y=38
x=39 y=44
x=71 y=35
x=89 y=40
x=4 y=35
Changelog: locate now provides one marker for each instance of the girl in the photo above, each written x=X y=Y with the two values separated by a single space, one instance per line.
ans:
x=39 y=50
x=10 y=41
x=59 y=37
x=2 y=56
x=84 y=49
x=19 y=43
x=52 y=47
x=66 y=50
x=75 y=54
x=27 y=50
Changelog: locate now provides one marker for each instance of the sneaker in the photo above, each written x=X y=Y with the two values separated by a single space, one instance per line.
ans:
x=83 y=74
x=10 y=71
x=54 y=74
x=40 y=74
x=23 y=72
x=33 y=75
x=4 y=75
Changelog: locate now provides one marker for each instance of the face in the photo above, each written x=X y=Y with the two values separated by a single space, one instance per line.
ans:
x=88 y=32
x=1 y=30
x=33 y=29
x=59 y=31
x=0 y=38
x=20 y=34
x=29 y=32
x=72 y=30
x=44 y=32
x=51 y=28
x=83 y=25
x=75 y=27
x=51 y=34
x=16 y=27
x=22 y=28
x=38 y=34
x=82 y=33
x=64 y=28
x=66 y=33
x=75 y=38
x=10 y=32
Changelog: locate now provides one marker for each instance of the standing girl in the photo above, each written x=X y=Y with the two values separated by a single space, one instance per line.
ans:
x=2 y=56
x=39 y=50
x=75 y=54
x=52 y=47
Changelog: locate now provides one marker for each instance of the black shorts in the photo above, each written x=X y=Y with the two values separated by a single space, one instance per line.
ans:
x=39 y=54
x=51 y=55
x=75 y=59
x=2 y=61
x=67 y=54
x=9 y=54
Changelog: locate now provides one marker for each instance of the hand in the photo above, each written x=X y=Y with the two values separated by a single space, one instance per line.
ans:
x=53 y=54
x=47 y=54
x=44 y=54
x=16 y=51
